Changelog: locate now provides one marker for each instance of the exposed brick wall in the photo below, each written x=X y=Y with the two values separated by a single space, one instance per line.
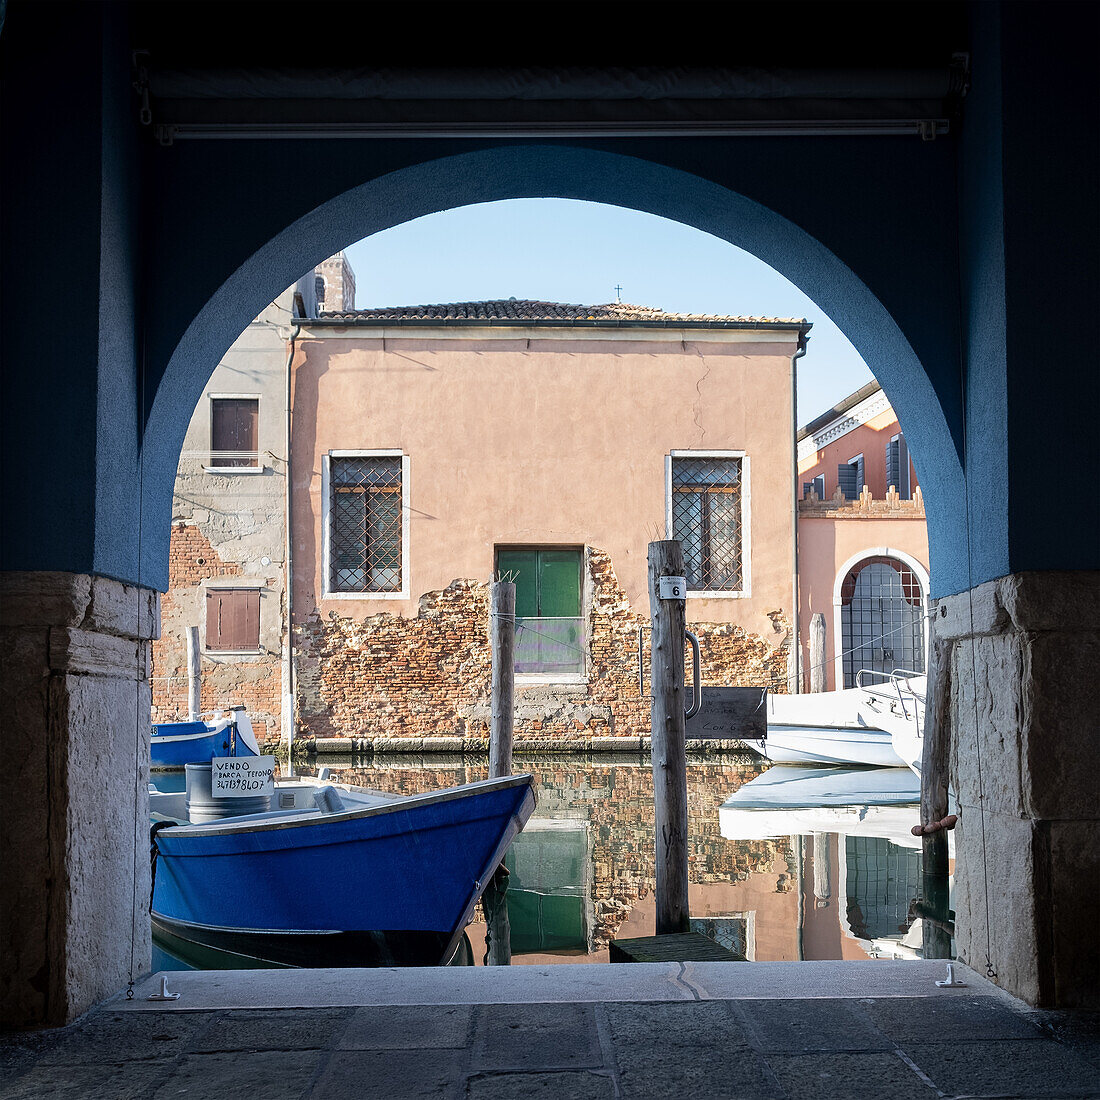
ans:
x=617 y=799
x=193 y=559
x=256 y=681
x=391 y=676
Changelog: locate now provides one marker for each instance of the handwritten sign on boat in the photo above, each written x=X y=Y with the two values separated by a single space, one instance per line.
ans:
x=739 y=713
x=242 y=776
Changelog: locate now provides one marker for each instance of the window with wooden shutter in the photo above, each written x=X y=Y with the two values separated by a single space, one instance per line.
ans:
x=817 y=486
x=849 y=476
x=233 y=619
x=897 y=466
x=234 y=431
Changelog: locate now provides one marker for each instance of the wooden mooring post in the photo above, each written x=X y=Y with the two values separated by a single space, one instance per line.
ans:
x=502 y=631
x=933 y=798
x=194 y=674
x=817 y=652
x=668 y=727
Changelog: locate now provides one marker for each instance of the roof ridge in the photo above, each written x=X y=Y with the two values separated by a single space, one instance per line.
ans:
x=536 y=309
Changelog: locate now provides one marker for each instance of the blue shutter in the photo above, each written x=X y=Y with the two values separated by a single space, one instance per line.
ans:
x=905 y=488
x=846 y=474
x=897 y=466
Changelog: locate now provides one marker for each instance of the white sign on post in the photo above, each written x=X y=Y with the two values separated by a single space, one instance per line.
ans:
x=242 y=776
x=672 y=588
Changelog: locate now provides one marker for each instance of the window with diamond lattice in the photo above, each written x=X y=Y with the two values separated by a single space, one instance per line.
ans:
x=365 y=516
x=882 y=618
x=706 y=518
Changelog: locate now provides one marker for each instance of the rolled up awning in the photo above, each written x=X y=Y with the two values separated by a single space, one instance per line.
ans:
x=540 y=101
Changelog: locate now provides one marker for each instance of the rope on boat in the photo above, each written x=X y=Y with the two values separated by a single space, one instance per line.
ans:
x=154 y=851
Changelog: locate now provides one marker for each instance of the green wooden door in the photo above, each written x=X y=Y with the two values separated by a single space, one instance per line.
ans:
x=521 y=567
x=549 y=628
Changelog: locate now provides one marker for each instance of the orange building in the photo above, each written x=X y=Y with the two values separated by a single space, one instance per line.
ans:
x=437 y=446
x=862 y=543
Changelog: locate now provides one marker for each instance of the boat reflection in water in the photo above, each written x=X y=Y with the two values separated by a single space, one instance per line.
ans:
x=857 y=864
x=829 y=879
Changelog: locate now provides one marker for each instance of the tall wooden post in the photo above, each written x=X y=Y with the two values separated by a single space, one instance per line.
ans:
x=668 y=727
x=817 y=652
x=502 y=623
x=933 y=795
x=194 y=674
x=502 y=614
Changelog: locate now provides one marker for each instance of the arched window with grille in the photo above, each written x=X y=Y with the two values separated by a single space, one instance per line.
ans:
x=882 y=618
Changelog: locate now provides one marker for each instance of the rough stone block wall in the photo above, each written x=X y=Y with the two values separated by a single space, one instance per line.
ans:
x=391 y=676
x=255 y=682
x=74 y=910
x=1023 y=737
x=617 y=799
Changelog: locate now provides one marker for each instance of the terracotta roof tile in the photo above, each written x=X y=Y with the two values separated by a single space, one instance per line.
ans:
x=524 y=310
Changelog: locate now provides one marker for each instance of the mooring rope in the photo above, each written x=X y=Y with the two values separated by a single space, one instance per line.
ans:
x=138 y=714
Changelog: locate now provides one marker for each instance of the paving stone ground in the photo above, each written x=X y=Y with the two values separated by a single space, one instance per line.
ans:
x=896 y=1047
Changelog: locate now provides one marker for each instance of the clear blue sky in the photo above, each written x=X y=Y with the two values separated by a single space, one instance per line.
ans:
x=566 y=251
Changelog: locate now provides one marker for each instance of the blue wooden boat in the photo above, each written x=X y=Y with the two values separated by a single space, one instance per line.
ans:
x=341 y=876
x=175 y=744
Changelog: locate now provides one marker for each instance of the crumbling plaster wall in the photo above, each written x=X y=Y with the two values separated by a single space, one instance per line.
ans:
x=228 y=530
x=252 y=680
x=391 y=676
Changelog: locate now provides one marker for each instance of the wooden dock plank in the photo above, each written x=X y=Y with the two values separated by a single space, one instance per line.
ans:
x=672 y=947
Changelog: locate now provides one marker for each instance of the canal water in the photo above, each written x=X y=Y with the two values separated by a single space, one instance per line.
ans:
x=838 y=885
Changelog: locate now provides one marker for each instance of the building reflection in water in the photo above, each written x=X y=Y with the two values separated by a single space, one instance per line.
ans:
x=582 y=870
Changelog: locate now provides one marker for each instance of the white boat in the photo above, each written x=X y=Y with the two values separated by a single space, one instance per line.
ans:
x=876 y=723
x=873 y=802
x=850 y=824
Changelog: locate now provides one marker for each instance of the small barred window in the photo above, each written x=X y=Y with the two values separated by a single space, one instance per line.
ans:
x=706 y=518
x=365 y=538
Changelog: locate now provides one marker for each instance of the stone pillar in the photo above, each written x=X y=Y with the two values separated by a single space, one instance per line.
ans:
x=74 y=677
x=1025 y=717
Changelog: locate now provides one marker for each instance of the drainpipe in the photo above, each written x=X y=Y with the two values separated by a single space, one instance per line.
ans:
x=801 y=351
x=288 y=701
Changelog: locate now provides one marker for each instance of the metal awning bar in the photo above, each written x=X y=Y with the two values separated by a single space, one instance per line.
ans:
x=543 y=84
x=926 y=128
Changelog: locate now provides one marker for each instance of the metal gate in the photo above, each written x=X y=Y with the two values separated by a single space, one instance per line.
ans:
x=882 y=618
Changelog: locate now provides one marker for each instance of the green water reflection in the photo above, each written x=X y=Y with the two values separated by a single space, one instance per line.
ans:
x=581 y=873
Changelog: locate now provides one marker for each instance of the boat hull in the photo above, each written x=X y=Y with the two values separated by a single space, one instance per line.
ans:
x=413 y=865
x=828 y=745
x=868 y=802
x=208 y=947
x=176 y=744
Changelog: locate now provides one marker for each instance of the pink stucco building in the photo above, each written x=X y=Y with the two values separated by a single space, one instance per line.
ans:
x=435 y=446
x=862 y=541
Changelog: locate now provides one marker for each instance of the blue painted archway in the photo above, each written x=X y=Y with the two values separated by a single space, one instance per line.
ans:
x=930 y=418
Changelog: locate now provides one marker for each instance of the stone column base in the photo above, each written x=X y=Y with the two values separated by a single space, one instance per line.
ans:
x=74 y=677
x=1025 y=716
